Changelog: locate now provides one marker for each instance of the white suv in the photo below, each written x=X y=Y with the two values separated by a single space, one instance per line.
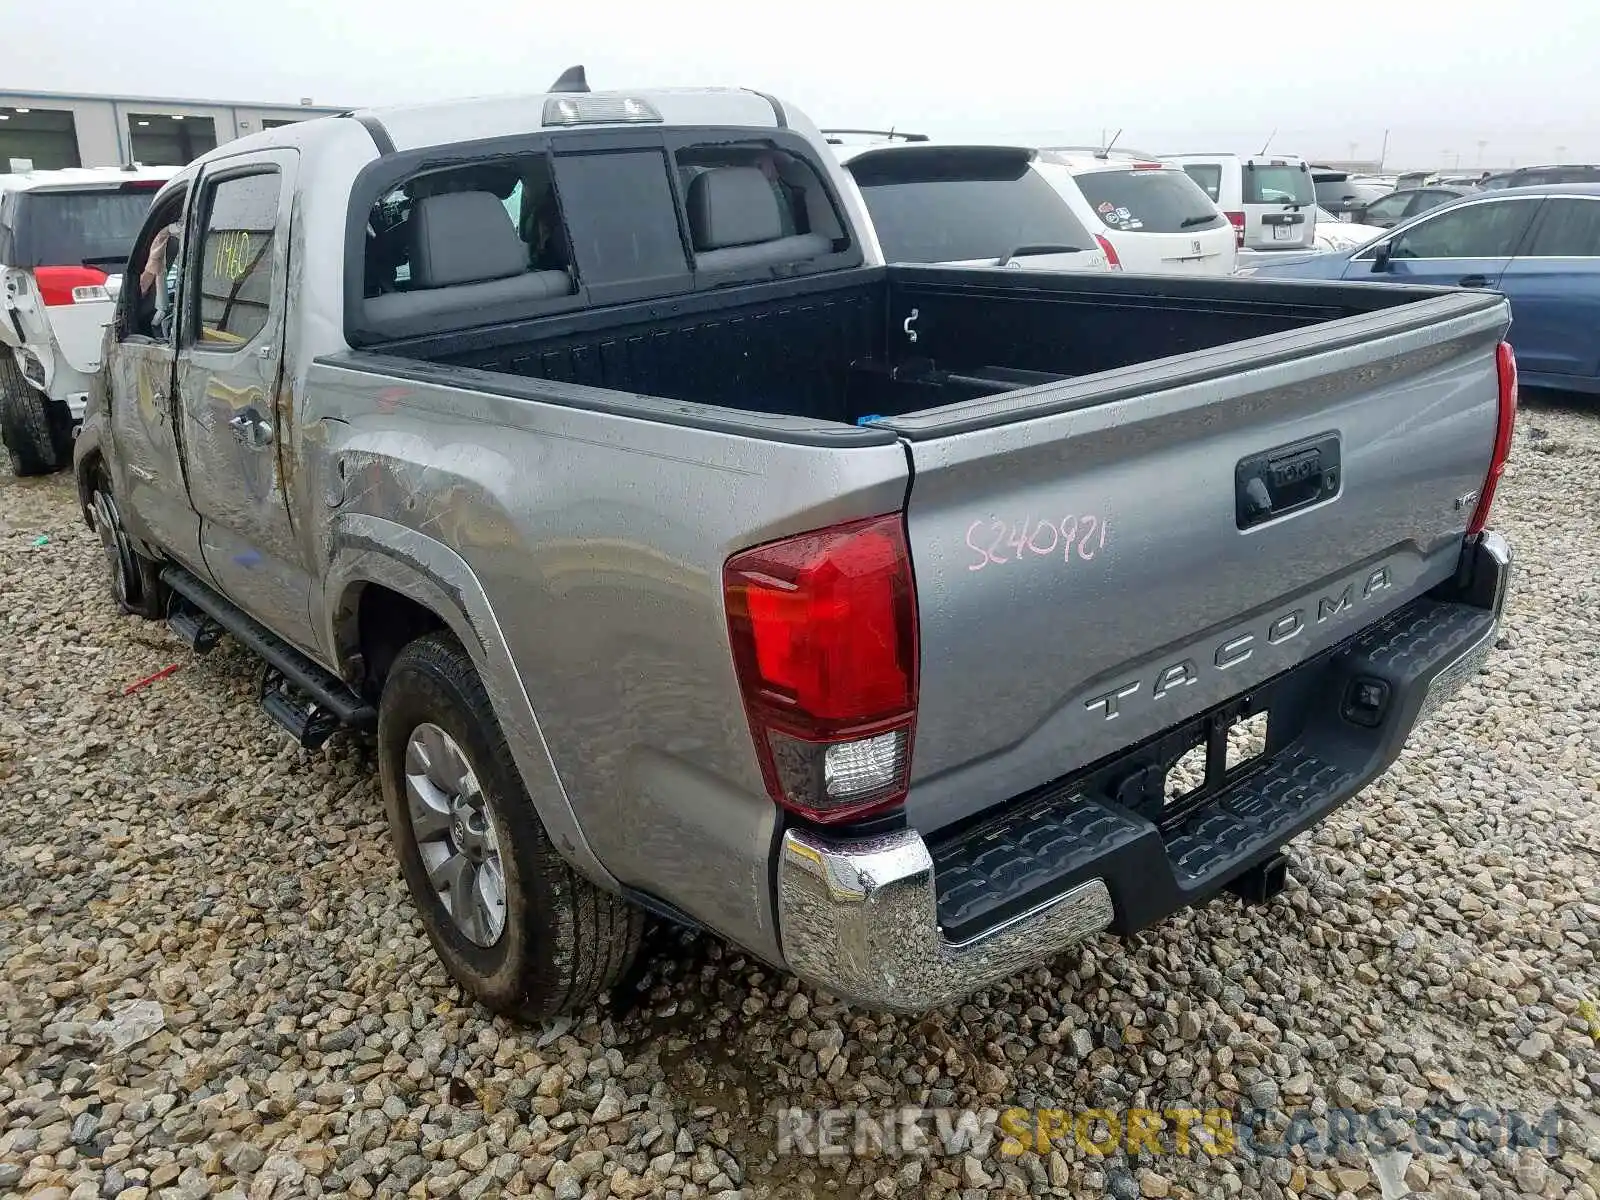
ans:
x=1158 y=220
x=65 y=237
x=1037 y=208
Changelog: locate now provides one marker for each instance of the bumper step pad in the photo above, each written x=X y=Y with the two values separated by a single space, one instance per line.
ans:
x=1334 y=724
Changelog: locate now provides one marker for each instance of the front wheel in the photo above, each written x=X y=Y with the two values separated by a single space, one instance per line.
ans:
x=517 y=927
x=135 y=580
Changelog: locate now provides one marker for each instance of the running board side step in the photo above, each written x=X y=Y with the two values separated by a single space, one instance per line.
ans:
x=297 y=693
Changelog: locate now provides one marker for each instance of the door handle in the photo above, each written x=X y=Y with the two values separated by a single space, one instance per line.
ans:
x=1474 y=281
x=251 y=428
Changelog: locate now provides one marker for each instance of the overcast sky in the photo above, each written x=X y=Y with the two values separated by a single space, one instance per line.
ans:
x=1440 y=75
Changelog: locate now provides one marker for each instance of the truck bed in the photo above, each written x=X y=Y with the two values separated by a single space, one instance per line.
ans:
x=832 y=351
x=1071 y=453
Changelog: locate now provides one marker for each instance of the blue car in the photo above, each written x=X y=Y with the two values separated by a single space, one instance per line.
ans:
x=1538 y=246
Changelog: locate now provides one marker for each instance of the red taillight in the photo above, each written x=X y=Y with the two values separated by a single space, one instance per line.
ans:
x=1146 y=166
x=824 y=633
x=1110 y=251
x=1237 y=221
x=58 y=284
x=1506 y=362
x=142 y=185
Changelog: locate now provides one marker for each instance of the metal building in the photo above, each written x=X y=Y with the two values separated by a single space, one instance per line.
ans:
x=59 y=129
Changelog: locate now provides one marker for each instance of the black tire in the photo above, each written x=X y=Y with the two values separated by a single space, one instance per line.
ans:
x=28 y=426
x=135 y=580
x=564 y=941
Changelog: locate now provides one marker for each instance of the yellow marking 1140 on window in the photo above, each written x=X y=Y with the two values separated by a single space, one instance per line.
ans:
x=231 y=255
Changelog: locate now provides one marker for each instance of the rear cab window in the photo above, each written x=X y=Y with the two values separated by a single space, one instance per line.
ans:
x=1278 y=183
x=584 y=218
x=1143 y=200
x=620 y=216
x=952 y=206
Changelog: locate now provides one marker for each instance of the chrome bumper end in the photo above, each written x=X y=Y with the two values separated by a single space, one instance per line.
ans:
x=859 y=919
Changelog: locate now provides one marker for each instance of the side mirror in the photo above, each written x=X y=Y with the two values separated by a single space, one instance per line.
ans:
x=1380 y=258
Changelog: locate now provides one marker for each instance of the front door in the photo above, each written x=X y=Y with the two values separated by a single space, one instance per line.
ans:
x=229 y=364
x=1465 y=245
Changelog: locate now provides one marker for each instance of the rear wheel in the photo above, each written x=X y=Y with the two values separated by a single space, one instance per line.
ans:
x=517 y=927
x=29 y=425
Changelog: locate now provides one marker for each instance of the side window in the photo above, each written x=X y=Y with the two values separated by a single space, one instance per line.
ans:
x=150 y=283
x=1567 y=229
x=1431 y=198
x=1389 y=208
x=1488 y=230
x=233 y=299
x=1208 y=177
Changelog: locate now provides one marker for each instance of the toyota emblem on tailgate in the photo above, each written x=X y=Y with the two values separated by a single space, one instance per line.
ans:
x=1196 y=246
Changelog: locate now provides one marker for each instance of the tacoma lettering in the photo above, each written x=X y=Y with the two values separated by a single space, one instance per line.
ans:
x=1239 y=647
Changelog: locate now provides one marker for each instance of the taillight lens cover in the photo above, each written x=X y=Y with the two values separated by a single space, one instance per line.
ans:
x=823 y=628
x=1236 y=219
x=68 y=285
x=1506 y=367
x=1109 y=250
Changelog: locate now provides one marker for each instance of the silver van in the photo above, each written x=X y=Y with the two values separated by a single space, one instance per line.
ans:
x=1270 y=199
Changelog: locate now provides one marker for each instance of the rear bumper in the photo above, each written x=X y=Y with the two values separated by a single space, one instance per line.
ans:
x=58 y=380
x=893 y=922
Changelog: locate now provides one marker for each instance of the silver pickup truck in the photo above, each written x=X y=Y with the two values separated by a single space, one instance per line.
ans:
x=680 y=556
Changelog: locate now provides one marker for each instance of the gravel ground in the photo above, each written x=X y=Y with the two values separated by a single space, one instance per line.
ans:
x=214 y=980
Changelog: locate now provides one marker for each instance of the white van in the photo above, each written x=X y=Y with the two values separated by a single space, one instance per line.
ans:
x=1269 y=198
x=65 y=237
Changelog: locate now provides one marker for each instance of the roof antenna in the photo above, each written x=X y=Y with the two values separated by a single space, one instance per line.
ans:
x=1268 y=142
x=1105 y=151
x=572 y=80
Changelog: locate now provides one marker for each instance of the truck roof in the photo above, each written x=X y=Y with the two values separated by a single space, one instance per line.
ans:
x=481 y=118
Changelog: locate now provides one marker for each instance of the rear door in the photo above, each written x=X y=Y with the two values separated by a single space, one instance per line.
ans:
x=1279 y=197
x=1467 y=245
x=1554 y=288
x=971 y=206
x=229 y=361
x=1084 y=576
x=1159 y=220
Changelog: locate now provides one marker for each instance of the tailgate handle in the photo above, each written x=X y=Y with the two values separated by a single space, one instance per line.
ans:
x=1276 y=482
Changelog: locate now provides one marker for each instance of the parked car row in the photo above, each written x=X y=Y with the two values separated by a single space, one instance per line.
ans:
x=65 y=235
x=1041 y=208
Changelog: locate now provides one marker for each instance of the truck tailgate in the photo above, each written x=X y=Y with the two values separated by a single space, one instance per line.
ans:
x=1101 y=559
